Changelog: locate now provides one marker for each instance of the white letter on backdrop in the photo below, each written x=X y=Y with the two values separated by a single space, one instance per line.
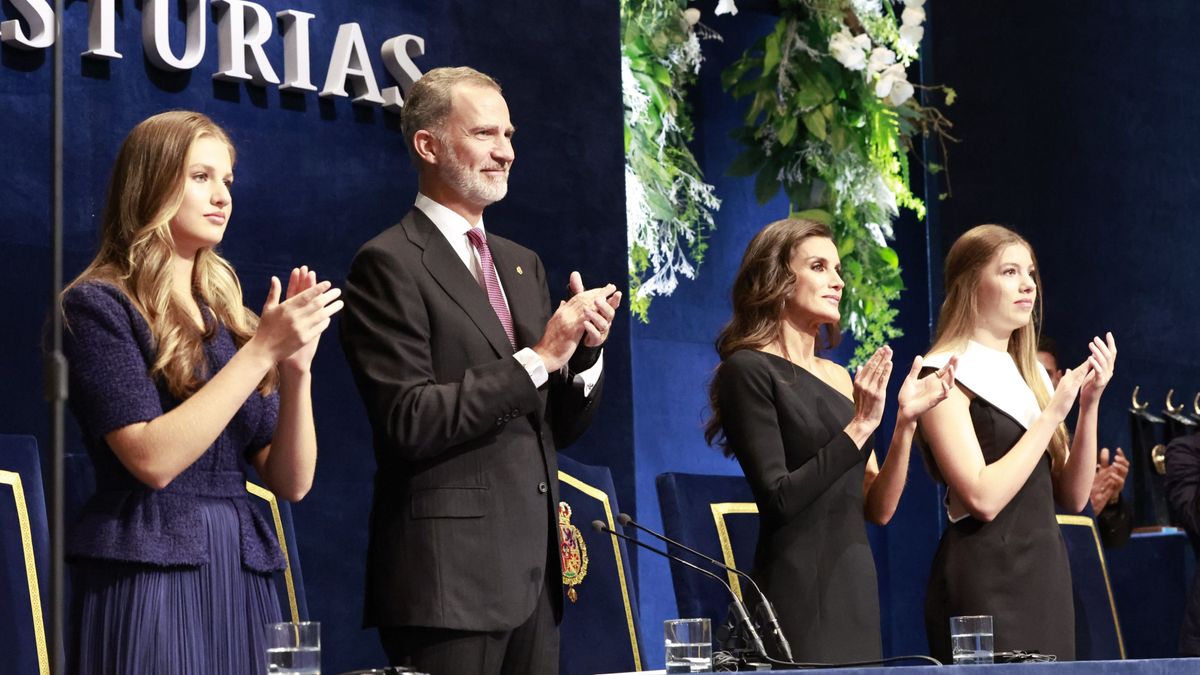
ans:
x=398 y=55
x=155 y=39
x=293 y=25
x=41 y=25
x=102 y=41
x=241 y=35
x=350 y=59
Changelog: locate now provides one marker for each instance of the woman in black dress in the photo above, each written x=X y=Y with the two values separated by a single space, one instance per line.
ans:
x=999 y=445
x=803 y=431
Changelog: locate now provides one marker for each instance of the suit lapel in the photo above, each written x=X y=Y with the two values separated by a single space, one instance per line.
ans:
x=448 y=270
x=521 y=290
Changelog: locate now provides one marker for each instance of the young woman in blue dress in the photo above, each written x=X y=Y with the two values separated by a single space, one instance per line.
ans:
x=178 y=389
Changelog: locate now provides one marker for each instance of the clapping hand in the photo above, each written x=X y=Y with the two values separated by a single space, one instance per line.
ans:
x=578 y=319
x=920 y=394
x=1068 y=388
x=1101 y=363
x=291 y=329
x=599 y=316
x=870 y=386
x=1110 y=478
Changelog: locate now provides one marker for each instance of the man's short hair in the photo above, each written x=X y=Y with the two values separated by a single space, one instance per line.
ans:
x=428 y=102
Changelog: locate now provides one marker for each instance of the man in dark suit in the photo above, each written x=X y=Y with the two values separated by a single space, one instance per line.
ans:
x=471 y=382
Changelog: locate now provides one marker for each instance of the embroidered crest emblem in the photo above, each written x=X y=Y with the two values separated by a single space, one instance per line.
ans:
x=572 y=550
x=519 y=270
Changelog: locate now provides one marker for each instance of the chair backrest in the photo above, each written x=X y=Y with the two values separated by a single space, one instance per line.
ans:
x=717 y=516
x=1097 y=628
x=289 y=583
x=24 y=558
x=600 y=631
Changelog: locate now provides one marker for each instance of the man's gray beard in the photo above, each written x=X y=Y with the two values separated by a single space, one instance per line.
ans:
x=472 y=185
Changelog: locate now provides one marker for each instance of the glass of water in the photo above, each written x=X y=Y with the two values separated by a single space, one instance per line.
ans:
x=971 y=639
x=689 y=645
x=294 y=648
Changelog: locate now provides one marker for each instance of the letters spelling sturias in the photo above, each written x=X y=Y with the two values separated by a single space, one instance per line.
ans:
x=243 y=27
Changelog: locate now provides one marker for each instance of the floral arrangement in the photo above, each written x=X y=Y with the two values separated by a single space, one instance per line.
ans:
x=832 y=117
x=669 y=208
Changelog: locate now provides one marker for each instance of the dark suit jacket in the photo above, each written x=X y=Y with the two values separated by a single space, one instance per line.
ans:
x=466 y=482
x=1183 y=492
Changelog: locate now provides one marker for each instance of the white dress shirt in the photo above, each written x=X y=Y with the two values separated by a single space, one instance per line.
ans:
x=454 y=228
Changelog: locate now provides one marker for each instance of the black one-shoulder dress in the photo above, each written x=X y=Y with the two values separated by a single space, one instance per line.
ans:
x=813 y=559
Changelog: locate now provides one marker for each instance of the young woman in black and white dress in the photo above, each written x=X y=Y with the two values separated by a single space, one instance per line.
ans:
x=999 y=445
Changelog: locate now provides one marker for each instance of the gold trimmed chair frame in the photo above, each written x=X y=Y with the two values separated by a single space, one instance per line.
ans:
x=1084 y=521
x=269 y=497
x=13 y=480
x=602 y=497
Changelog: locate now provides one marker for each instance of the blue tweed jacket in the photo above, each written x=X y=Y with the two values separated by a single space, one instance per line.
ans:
x=110 y=350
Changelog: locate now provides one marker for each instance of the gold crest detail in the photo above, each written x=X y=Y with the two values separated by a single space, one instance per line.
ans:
x=572 y=550
x=519 y=270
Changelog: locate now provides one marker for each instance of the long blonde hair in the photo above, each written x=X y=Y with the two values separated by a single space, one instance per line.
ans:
x=965 y=264
x=763 y=284
x=136 y=247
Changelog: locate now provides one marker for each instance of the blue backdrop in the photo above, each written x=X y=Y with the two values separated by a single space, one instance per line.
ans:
x=1076 y=131
x=315 y=179
x=1078 y=123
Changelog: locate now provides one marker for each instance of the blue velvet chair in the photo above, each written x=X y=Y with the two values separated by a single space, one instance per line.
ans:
x=717 y=516
x=290 y=582
x=600 y=631
x=24 y=558
x=1097 y=628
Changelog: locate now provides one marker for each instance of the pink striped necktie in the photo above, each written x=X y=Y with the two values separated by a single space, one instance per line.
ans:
x=491 y=282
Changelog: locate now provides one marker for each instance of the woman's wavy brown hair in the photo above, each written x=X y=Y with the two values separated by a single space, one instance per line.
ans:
x=136 y=246
x=965 y=263
x=761 y=289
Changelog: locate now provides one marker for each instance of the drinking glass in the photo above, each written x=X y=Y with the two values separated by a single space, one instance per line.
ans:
x=971 y=639
x=689 y=645
x=294 y=648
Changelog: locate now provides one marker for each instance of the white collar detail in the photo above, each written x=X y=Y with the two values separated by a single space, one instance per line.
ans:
x=993 y=376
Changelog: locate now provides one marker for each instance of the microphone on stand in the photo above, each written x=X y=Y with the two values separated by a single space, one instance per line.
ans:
x=768 y=609
x=740 y=609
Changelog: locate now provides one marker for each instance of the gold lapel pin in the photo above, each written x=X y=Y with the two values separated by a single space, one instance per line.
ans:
x=519 y=270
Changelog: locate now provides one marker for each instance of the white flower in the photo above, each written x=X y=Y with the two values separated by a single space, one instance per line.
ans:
x=912 y=16
x=914 y=3
x=893 y=85
x=910 y=36
x=901 y=92
x=691 y=15
x=887 y=80
x=866 y=8
x=726 y=7
x=881 y=58
x=849 y=50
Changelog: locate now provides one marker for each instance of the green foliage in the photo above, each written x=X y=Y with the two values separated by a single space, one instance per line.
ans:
x=669 y=207
x=817 y=129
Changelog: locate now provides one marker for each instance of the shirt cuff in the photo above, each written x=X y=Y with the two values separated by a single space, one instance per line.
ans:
x=588 y=378
x=532 y=363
